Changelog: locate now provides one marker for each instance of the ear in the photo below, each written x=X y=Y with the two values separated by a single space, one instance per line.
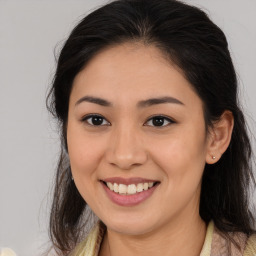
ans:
x=219 y=137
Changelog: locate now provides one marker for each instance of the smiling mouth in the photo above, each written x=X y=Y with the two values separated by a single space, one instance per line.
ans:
x=130 y=189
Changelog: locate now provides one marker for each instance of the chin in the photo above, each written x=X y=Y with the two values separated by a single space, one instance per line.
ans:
x=130 y=225
x=132 y=230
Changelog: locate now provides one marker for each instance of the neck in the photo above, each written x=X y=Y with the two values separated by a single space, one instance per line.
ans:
x=181 y=237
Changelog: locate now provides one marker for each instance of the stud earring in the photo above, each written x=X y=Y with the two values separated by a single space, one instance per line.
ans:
x=213 y=157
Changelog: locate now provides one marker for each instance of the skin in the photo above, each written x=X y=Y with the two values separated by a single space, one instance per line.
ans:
x=127 y=144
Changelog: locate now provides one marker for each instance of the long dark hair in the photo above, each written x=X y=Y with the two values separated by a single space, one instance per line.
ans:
x=199 y=48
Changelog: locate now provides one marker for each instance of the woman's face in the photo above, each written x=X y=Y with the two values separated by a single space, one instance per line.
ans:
x=135 y=120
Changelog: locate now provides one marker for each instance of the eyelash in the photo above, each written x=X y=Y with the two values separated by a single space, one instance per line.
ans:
x=169 y=120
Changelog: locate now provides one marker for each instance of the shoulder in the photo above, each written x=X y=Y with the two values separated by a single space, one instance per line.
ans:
x=250 y=249
x=216 y=243
x=233 y=243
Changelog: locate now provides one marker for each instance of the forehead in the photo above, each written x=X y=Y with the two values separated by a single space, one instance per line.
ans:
x=131 y=72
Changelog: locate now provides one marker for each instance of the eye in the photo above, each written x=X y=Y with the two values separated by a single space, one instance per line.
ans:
x=159 y=121
x=95 y=120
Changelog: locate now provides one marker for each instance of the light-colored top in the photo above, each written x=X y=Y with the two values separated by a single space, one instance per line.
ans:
x=7 y=252
x=215 y=243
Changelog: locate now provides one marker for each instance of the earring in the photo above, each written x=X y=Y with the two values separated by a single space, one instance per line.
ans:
x=213 y=157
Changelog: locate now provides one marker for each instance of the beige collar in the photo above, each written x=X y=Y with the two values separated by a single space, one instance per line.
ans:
x=215 y=243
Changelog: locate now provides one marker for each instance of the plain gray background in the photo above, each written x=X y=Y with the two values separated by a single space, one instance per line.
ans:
x=29 y=32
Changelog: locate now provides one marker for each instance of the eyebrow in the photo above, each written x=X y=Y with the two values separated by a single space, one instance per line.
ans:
x=155 y=101
x=95 y=100
x=140 y=104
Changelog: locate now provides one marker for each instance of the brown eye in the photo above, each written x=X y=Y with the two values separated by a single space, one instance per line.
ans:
x=95 y=120
x=159 y=121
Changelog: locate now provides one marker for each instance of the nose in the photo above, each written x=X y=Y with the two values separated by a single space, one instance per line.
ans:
x=125 y=149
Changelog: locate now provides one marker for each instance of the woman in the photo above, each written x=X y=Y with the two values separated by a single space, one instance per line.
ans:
x=153 y=139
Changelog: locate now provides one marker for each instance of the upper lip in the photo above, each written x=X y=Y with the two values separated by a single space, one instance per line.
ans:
x=128 y=181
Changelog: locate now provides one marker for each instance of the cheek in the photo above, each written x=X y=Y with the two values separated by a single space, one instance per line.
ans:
x=83 y=156
x=85 y=153
x=182 y=160
x=181 y=148
x=181 y=156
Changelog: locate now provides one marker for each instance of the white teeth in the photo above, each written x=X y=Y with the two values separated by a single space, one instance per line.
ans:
x=122 y=189
x=111 y=187
x=145 y=186
x=140 y=187
x=131 y=189
x=116 y=188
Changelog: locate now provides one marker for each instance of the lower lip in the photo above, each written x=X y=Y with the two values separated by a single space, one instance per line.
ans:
x=129 y=200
